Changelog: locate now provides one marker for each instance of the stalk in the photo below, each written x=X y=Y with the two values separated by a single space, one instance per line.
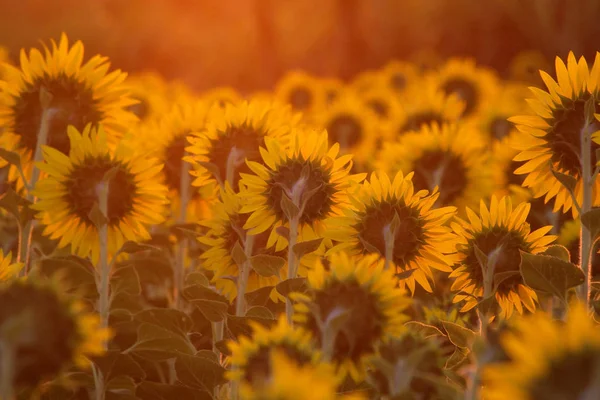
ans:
x=292 y=262
x=586 y=243
x=104 y=265
x=180 y=253
x=240 y=302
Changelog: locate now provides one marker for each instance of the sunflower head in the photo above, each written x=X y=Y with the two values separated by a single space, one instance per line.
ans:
x=151 y=93
x=506 y=182
x=548 y=359
x=72 y=187
x=221 y=96
x=550 y=139
x=398 y=76
x=302 y=91
x=48 y=330
x=57 y=89
x=501 y=233
x=526 y=65
x=362 y=298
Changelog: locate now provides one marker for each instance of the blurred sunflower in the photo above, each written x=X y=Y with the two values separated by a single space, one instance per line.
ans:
x=452 y=158
x=507 y=183
x=365 y=295
x=551 y=139
x=399 y=75
x=58 y=88
x=332 y=87
x=302 y=91
x=502 y=232
x=52 y=331
x=151 y=93
x=492 y=120
x=382 y=101
x=473 y=84
x=165 y=138
x=233 y=135
x=526 y=65
x=8 y=269
x=421 y=241
x=221 y=96
x=351 y=124
x=309 y=171
x=250 y=359
x=366 y=80
x=548 y=359
x=67 y=195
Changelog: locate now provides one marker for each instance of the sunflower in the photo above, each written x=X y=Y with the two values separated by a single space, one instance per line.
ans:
x=507 y=183
x=68 y=194
x=382 y=101
x=475 y=85
x=332 y=87
x=366 y=81
x=452 y=158
x=424 y=106
x=309 y=170
x=225 y=230
x=398 y=76
x=526 y=65
x=289 y=381
x=233 y=135
x=57 y=331
x=151 y=93
x=251 y=356
x=493 y=121
x=550 y=140
x=165 y=138
x=76 y=94
x=501 y=230
x=366 y=294
x=302 y=91
x=548 y=359
x=350 y=124
x=221 y=96
x=8 y=269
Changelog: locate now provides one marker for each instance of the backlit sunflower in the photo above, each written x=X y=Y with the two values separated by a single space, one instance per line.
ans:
x=360 y=289
x=221 y=96
x=526 y=66
x=67 y=195
x=399 y=75
x=507 y=183
x=492 y=120
x=234 y=135
x=76 y=94
x=452 y=158
x=421 y=241
x=474 y=85
x=302 y=91
x=549 y=359
x=551 y=139
x=165 y=138
x=250 y=359
x=8 y=269
x=310 y=170
x=367 y=80
x=501 y=231
x=351 y=124
x=152 y=94
x=382 y=101
x=57 y=331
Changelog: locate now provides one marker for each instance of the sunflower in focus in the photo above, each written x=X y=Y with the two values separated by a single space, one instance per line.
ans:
x=62 y=90
x=501 y=231
x=452 y=158
x=250 y=359
x=398 y=76
x=503 y=168
x=57 y=331
x=360 y=289
x=302 y=91
x=308 y=170
x=473 y=84
x=234 y=135
x=151 y=93
x=8 y=269
x=550 y=140
x=421 y=240
x=68 y=194
x=549 y=359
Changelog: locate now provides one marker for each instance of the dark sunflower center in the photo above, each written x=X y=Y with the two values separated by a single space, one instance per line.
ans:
x=410 y=235
x=317 y=190
x=259 y=369
x=364 y=325
x=173 y=164
x=346 y=130
x=500 y=127
x=246 y=141
x=72 y=101
x=398 y=82
x=141 y=109
x=442 y=169
x=379 y=106
x=564 y=138
x=417 y=120
x=508 y=260
x=82 y=189
x=301 y=98
x=567 y=378
x=465 y=91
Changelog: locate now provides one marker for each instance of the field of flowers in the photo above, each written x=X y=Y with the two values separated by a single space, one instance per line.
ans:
x=422 y=230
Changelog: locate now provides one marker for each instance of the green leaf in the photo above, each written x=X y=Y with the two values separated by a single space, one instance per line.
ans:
x=566 y=180
x=97 y=217
x=306 y=247
x=266 y=265
x=159 y=344
x=76 y=274
x=11 y=202
x=11 y=157
x=259 y=312
x=185 y=231
x=259 y=297
x=458 y=335
x=121 y=387
x=558 y=251
x=424 y=329
x=591 y=220
x=209 y=355
x=481 y=257
x=457 y=359
x=131 y=247
x=290 y=210
x=214 y=311
x=173 y=320
x=223 y=347
x=125 y=280
x=589 y=111
x=237 y=326
x=161 y=391
x=291 y=285
x=549 y=274
x=489 y=305
x=238 y=254
x=196 y=278
x=199 y=372
x=201 y=292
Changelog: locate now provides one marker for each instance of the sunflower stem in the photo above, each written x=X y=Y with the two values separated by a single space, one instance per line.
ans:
x=233 y=161
x=586 y=243
x=292 y=262
x=240 y=302
x=104 y=265
x=7 y=370
x=180 y=255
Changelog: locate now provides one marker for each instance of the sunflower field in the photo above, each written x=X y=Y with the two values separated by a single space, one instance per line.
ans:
x=267 y=200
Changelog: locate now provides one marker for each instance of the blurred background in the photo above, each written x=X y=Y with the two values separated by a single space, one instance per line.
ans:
x=249 y=44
